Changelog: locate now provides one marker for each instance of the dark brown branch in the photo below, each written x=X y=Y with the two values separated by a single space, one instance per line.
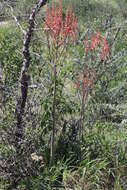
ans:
x=24 y=78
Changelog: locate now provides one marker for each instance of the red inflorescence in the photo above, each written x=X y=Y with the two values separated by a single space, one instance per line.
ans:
x=88 y=77
x=70 y=24
x=54 y=25
x=104 y=54
x=95 y=41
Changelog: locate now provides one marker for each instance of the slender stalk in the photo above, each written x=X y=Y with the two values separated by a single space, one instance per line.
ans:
x=54 y=117
x=82 y=115
x=54 y=110
x=83 y=99
x=83 y=111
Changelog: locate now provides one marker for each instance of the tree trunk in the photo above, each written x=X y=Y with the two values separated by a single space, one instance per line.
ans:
x=24 y=78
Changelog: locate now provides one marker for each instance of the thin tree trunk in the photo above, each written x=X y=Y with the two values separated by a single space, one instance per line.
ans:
x=24 y=78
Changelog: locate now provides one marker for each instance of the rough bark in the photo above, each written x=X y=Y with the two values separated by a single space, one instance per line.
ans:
x=24 y=78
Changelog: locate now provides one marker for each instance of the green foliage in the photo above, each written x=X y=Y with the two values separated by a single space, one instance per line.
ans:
x=64 y=105
x=102 y=162
x=99 y=159
x=10 y=53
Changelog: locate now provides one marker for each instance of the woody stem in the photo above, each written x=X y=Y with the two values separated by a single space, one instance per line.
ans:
x=53 y=113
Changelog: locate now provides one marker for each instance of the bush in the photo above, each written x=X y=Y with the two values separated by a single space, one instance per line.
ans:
x=10 y=53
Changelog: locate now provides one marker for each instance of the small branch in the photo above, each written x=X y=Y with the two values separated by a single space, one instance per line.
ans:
x=16 y=20
x=116 y=35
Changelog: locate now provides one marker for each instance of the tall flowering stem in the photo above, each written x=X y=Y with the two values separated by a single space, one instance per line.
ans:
x=84 y=81
x=59 y=34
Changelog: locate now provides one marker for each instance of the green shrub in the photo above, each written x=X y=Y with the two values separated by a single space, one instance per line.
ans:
x=10 y=53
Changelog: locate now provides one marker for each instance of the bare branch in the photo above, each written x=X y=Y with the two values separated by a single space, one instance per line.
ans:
x=116 y=35
x=16 y=20
x=24 y=78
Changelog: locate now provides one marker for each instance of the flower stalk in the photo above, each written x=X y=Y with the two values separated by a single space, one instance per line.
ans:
x=58 y=32
x=85 y=80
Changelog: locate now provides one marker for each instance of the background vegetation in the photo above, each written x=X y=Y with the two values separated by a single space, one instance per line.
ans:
x=98 y=158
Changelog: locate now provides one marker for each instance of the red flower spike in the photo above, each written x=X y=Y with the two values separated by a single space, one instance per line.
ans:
x=95 y=41
x=60 y=9
x=54 y=24
x=105 y=48
x=70 y=24
x=48 y=19
x=53 y=8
